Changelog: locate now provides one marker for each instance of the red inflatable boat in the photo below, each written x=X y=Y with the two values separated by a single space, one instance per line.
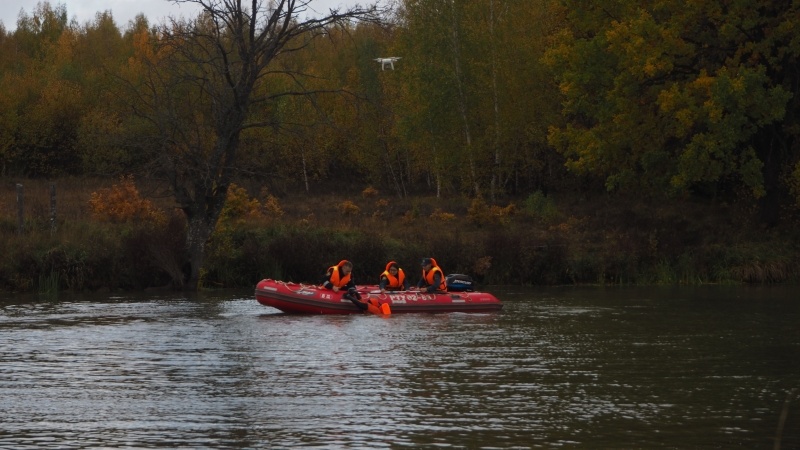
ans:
x=308 y=299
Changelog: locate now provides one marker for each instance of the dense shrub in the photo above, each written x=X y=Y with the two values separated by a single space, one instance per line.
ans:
x=481 y=213
x=540 y=207
x=122 y=203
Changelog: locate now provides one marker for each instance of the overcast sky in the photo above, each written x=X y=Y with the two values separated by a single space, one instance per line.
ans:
x=125 y=10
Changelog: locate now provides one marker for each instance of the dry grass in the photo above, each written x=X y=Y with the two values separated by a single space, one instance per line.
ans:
x=73 y=197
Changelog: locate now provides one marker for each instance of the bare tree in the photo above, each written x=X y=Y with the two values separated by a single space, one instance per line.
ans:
x=200 y=85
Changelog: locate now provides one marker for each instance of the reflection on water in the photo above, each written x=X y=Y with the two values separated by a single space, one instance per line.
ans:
x=706 y=367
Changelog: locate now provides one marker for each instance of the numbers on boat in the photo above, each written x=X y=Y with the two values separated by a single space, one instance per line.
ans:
x=403 y=298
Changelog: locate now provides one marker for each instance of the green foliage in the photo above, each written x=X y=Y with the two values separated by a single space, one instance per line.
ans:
x=657 y=100
x=541 y=207
x=40 y=29
x=100 y=143
x=523 y=257
x=54 y=266
x=756 y=263
x=476 y=99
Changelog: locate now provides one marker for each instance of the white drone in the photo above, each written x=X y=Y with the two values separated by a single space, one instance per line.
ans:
x=387 y=62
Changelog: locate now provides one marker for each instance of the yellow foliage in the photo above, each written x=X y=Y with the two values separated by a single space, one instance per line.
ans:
x=380 y=207
x=239 y=207
x=668 y=99
x=704 y=83
x=308 y=220
x=565 y=227
x=271 y=204
x=348 y=208
x=122 y=203
x=441 y=216
x=369 y=192
x=482 y=214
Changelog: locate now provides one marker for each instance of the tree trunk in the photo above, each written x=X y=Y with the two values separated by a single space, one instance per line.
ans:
x=197 y=235
x=305 y=170
x=392 y=176
x=462 y=99
x=198 y=93
x=496 y=103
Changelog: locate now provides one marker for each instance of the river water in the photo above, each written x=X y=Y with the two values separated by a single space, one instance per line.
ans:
x=587 y=367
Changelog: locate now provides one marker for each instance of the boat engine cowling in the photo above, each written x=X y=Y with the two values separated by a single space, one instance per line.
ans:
x=457 y=282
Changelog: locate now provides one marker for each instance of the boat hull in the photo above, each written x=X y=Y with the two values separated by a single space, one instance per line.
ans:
x=307 y=299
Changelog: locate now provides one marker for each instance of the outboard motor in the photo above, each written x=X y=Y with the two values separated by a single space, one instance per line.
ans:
x=457 y=282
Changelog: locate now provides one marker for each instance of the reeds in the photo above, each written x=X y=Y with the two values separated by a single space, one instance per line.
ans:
x=48 y=286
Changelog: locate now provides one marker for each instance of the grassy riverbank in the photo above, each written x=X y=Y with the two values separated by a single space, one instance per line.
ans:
x=127 y=238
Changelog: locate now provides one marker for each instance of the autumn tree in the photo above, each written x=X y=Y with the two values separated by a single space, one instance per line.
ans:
x=100 y=51
x=675 y=97
x=312 y=136
x=8 y=99
x=200 y=82
x=46 y=99
x=476 y=98
x=436 y=121
x=375 y=147
x=57 y=98
x=516 y=97
x=347 y=135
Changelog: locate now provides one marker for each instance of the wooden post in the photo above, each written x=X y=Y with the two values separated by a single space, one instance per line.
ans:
x=20 y=209
x=52 y=208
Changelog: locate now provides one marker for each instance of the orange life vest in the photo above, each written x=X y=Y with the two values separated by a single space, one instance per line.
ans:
x=336 y=279
x=428 y=276
x=394 y=282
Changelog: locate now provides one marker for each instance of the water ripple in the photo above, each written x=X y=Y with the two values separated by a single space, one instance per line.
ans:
x=568 y=370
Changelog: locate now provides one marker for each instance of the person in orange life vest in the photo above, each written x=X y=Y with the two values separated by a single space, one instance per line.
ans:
x=339 y=277
x=432 y=277
x=393 y=278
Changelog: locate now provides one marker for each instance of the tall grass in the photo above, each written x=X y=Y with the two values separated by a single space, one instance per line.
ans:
x=48 y=285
